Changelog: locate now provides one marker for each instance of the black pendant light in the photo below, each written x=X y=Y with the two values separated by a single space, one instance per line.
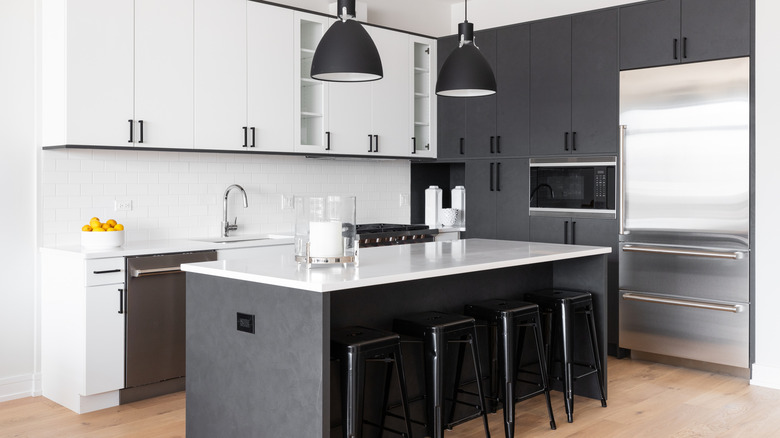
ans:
x=466 y=72
x=346 y=53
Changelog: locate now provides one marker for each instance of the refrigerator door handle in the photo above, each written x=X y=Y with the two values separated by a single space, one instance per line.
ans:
x=695 y=252
x=622 y=190
x=635 y=296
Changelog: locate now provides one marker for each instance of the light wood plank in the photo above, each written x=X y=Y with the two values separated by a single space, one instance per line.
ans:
x=645 y=400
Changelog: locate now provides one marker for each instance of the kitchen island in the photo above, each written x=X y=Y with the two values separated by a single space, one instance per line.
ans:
x=258 y=353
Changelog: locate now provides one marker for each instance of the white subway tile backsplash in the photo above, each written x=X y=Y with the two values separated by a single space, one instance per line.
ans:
x=179 y=194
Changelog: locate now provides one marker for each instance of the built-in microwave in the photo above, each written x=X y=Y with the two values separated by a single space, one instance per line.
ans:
x=573 y=186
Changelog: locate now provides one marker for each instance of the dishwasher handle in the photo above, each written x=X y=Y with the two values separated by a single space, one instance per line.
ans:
x=633 y=296
x=695 y=252
x=135 y=273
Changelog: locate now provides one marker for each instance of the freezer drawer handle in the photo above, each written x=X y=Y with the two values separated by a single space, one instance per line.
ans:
x=735 y=255
x=135 y=273
x=736 y=308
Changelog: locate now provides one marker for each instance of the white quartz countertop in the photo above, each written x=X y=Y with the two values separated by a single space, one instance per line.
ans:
x=390 y=264
x=130 y=249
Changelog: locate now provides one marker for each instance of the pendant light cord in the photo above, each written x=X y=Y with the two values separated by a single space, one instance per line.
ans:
x=466 y=11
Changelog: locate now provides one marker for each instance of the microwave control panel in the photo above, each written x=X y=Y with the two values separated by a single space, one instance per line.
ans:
x=600 y=187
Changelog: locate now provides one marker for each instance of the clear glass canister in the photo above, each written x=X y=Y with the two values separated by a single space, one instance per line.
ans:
x=325 y=229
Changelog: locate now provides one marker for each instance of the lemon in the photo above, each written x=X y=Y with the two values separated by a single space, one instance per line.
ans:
x=86 y=228
x=111 y=222
x=95 y=224
x=110 y=229
x=99 y=229
x=95 y=219
x=119 y=227
x=105 y=226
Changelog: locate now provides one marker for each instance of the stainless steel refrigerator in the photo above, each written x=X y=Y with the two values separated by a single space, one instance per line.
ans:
x=685 y=211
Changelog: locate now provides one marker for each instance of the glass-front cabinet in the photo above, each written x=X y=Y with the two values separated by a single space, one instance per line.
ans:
x=311 y=96
x=423 y=110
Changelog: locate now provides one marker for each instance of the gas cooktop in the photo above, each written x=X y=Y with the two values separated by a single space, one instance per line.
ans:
x=385 y=228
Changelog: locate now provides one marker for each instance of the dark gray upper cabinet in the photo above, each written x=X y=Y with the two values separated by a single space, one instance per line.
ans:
x=574 y=84
x=481 y=111
x=512 y=102
x=677 y=31
x=497 y=199
x=451 y=111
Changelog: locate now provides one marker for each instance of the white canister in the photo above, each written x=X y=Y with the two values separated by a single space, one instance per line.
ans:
x=459 y=203
x=432 y=206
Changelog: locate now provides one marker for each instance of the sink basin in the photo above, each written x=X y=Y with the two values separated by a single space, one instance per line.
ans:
x=235 y=239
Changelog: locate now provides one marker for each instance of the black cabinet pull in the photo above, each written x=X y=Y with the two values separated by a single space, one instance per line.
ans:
x=141 y=125
x=566 y=232
x=498 y=177
x=573 y=236
x=110 y=271
x=574 y=141
x=121 y=301
x=376 y=143
x=414 y=145
x=565 y=141
x=245 y=137
x=253 y=136
x=498 y=144
x=370 y=143
x=491 y=176
x=131 y=131
x=327 y=140
x=674 y=47
x=685 y=47
x=462 y=146
x=492 y=144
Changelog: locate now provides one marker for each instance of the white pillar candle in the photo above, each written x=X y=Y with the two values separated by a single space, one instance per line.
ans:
x=325 y=239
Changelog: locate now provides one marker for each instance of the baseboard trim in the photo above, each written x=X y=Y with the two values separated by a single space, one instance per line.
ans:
x=766 y=376
x=14 y=387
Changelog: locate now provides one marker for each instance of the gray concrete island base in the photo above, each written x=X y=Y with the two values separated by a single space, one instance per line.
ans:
x=276 y=382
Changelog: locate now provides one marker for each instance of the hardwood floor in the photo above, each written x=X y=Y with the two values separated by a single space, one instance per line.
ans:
x=645 y=400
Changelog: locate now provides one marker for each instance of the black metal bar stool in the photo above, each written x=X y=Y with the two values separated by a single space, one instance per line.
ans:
x=437 y=330
x=505 y=318
x=354 y=346
x=562 y=305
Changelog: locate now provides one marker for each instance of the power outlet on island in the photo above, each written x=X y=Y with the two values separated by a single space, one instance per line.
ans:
x=245 y=322
x=123 y=205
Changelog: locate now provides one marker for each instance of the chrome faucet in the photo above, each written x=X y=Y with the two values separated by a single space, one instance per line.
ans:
x=227 y=226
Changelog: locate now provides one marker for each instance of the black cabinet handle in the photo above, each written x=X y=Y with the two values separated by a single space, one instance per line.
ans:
x=141 y=125
x=498 y=177
x=498 y=144
x=573 y=236
x=370 y=143
x=566 y=232
x=376 y=143
x=110 y=271
x=492 y=144
x=131 y=131
x=245 y=137
x=253 y=136
x=685 y=48
x=574 y=141
x=327 y=140
x=565 y=141
x=414 y=145
x=121 y=301
x=674 y=47
x=462 y=145
x=492 y=165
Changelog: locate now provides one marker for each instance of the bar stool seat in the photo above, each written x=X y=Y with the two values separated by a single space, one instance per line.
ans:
x=436 y=331
x=505 y=318
x=354 y=346
x=562 y=305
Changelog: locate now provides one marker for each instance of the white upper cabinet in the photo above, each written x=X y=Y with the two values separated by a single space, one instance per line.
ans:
x=271 y=78
x=220 y=74
x=87 y=72
x=310 y=98
x=390 y=102
x=164 y=73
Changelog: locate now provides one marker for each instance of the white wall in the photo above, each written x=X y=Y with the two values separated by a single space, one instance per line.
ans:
x=766 y=371
x=18 y=194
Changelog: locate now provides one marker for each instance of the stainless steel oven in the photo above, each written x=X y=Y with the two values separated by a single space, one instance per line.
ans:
x=582 y=186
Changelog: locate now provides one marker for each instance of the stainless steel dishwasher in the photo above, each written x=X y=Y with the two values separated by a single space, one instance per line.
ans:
x=155 y=324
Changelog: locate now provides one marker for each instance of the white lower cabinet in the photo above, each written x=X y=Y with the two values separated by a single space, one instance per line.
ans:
x=82 y=330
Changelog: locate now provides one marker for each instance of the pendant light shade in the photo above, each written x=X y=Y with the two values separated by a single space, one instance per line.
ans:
x=346 y=53
x=466 y=72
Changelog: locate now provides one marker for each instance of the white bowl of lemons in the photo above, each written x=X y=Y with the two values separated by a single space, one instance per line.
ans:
x=102 y=235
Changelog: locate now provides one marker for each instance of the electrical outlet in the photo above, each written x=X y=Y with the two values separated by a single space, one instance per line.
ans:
x=403 y=200
x=123 y=205
x=288 y=202
x=245 y=322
